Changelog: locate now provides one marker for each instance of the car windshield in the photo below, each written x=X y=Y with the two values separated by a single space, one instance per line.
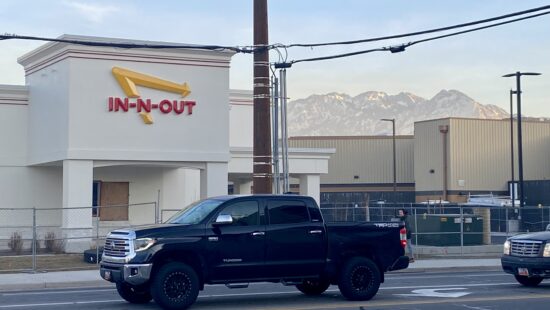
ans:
x=195 y=212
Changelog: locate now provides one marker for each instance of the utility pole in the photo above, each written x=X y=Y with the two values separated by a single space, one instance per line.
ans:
x=261 y=176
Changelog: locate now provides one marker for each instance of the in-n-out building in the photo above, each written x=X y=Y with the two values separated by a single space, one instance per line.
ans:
x=155 y=129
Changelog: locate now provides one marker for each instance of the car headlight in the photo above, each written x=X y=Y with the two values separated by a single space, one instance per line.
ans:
x=143 y=244
x=506 y=250
x=546 y=252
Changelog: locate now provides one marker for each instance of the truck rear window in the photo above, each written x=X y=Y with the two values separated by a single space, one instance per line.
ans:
x=287 y=211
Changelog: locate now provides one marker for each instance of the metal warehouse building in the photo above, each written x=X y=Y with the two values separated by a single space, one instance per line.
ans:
x=445 y=159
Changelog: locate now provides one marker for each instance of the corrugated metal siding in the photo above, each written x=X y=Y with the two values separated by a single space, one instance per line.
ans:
x=370 y=158
x=480 y=153
x=536 y=151
x=428 y=152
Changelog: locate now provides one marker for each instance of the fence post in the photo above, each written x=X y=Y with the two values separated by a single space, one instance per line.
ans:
x=415 y=228
x=97 y=243
x=33 y=239
x=507 y=224
x=157 y=207
x=157 y=213
x=461 y=230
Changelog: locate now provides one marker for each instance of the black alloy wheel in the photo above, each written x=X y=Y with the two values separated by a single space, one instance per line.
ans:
x=175 y=286
x=359 y=279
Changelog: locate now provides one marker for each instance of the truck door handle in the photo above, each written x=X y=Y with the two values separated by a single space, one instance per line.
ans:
x=316 y=232
x=258 y=233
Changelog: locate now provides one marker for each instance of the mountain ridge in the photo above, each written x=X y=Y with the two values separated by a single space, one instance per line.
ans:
x=339 y=114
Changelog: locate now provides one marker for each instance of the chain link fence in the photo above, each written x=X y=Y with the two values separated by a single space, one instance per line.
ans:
x=40 y=239
x=448 y=228
x=37 y=239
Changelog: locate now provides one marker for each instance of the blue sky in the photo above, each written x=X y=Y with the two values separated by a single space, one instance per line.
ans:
x=471 y=63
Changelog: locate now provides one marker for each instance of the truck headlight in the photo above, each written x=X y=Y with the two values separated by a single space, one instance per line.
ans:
x=546 y=252
x=506 y=250
x=143 y=244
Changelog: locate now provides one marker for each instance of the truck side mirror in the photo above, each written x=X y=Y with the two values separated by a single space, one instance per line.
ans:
x=223 y=219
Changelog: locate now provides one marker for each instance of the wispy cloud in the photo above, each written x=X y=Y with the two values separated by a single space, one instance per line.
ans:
x=93 y=12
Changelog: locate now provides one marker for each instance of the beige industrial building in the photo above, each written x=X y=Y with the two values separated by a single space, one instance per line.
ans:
x=476 y=159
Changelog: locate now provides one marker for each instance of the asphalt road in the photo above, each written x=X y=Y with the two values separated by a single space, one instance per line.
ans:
x=457 y=290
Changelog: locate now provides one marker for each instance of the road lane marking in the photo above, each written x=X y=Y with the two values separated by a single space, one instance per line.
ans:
x=264 y=293
x=338 y=305
x=61 y=303
x=335 y=290
x=374 y=303
x=436 y=292
x=396 y=277
x=57 y=292
x=445 y=285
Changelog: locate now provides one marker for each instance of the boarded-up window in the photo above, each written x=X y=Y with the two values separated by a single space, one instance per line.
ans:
x=114 y=201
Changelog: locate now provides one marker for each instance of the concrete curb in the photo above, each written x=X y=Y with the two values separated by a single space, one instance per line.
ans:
x=50 y=285
x=448 y=269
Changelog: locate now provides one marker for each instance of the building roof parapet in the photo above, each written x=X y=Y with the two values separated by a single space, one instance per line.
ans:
x=52 y=50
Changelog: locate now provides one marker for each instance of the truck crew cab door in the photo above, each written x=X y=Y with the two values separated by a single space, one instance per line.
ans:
x=236 y=250
x=296 y=241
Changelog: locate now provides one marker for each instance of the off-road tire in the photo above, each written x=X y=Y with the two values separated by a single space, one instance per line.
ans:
x=134 y=294
x=528 y=281
x=175 y=286
x=359 y=279
x=313 y=287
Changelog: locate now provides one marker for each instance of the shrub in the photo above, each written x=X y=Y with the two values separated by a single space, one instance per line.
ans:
x=52 y=244
x=16 y=243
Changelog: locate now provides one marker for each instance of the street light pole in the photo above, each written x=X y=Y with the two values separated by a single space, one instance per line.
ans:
x=392 y=120
x=512 y=191
x=520 y=145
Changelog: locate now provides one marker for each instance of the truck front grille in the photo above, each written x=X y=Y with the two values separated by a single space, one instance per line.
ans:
x=119 y=246
x=526 y=248
x=116 y=247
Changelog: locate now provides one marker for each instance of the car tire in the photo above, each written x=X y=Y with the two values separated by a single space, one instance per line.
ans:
x=359 y=279
x=134 y=294
x=175 y=286
x=528 y=281
x=313 y=287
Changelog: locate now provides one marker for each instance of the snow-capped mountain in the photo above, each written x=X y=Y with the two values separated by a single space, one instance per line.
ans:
x=337 y=114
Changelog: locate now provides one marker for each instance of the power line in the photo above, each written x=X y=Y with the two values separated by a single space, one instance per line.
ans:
x=245 y=49
x=402 y=47
x=252 y=48
x=478 y=28
x=424 y=31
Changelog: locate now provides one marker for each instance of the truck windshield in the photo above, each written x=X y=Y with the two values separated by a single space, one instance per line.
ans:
x=195 y=212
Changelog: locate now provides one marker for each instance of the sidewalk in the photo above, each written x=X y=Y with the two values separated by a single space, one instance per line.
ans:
x=91 y=278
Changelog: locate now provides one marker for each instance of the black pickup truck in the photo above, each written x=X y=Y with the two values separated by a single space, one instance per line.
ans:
x=235 y=240
x=527 y=257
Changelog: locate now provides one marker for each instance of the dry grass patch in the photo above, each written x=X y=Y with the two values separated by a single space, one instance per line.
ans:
x=56 y=262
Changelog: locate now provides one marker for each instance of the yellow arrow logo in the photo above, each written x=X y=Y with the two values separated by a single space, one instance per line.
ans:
x=129 y=79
